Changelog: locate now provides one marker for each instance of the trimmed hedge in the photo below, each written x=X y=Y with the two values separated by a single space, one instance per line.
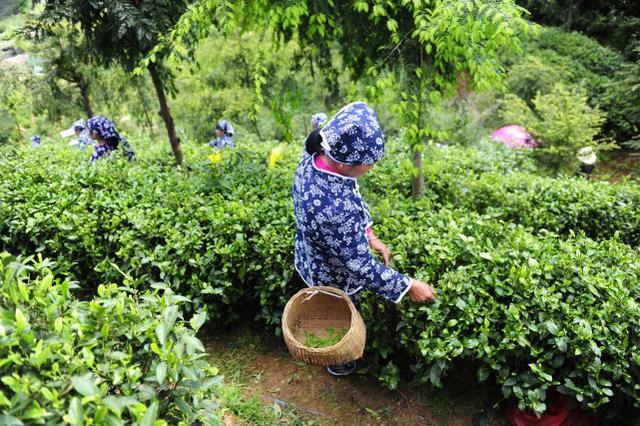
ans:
x=499 y=183
x=534 y=312
x=599 y=209
x=125 y=356
x=532 y=308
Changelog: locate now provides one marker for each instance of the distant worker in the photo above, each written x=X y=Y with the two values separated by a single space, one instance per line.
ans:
x=587 y=158
x=107 y=139
x=318 y=119
x=80 y=130
x=224 y=135
x=35 y=141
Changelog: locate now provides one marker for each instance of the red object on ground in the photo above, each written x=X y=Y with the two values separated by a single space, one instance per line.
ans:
x=556 y=414
x=514 y=136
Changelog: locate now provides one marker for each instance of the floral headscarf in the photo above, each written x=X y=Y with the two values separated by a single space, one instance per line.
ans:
x=79 y=124
x=103 y=127
x=353 y=136
x=225 y=126
x=318 y=119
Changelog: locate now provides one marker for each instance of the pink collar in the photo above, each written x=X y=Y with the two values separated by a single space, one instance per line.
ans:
x=321 y=164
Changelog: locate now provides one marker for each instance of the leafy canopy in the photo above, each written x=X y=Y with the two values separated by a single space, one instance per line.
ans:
x=117 y=31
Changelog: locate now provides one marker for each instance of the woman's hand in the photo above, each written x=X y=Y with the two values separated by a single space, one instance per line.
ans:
x=377 y=245
x=421 y=292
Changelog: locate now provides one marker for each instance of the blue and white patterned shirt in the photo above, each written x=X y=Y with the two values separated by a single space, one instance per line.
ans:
x=222 y=142
x=331 y=246
x=84 y=139
x=101 y=151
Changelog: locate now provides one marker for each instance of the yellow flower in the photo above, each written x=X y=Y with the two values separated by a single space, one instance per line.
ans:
x=215 y=157
x=274 y=156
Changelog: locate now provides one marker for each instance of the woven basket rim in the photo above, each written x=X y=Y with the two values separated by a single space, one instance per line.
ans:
x=334 y=290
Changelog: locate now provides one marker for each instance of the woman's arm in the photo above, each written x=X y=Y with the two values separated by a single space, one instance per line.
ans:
x=377 y=245
x=349 y=248
x=421 y=292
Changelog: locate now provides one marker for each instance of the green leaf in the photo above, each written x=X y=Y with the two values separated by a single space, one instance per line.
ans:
x=85 y=385
x=59 y=325
x=104 y=330
x=170 y=316
x=162 y=332
x=517 y=391
x=21 y=321
x=23 y=291
x=485 y=255
x=8 y=420
x=35 y=411
x=75 y=415
x=198 y=320
x=150 y=416
x=536 y=369
x=434 y=374
x=193 y=343
x=510 y=381
x=483 y=374
x=118 y=403
x=471 y=343
x=161 y=372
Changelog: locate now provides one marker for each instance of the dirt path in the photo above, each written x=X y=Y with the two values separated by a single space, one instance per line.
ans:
x=618 y=165
x=262 y=365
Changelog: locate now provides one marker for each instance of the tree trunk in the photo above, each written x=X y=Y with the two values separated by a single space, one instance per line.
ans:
x=83 y=85
x=20 y=132
x=417 y=182
x=165 y=113
x=256 y=129
x=572 y=10
x=143 y=102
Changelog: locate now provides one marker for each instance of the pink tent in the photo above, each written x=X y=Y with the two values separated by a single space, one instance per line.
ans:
x=514 y=136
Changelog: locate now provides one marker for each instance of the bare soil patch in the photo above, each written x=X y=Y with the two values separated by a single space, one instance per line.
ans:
x=262 y=365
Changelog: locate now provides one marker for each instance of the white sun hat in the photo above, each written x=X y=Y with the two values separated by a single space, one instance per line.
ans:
x=586 y=155
x=72 y=130
x=67 y=133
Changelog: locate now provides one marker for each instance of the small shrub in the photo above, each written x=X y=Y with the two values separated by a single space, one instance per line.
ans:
x=562 y=122
x=125 y=356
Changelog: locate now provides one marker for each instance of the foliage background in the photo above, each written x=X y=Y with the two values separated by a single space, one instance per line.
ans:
x=537 y=274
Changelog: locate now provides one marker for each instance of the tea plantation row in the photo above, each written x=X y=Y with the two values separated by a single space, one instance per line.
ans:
x=535 y=310
x=125 y=356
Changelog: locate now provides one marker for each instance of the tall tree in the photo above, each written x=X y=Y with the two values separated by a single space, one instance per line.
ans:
x=15 y=108
x=124 y=32
x=425 y=48
x=613 y=22
x=64 y=55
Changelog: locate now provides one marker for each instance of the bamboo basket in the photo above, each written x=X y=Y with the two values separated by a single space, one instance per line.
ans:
x=314 y=309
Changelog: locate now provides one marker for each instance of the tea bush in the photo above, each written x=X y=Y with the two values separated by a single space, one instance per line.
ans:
x=533 y=311
x=530 y=307
x=124 y=356
x=499 y=183
x=599 y=209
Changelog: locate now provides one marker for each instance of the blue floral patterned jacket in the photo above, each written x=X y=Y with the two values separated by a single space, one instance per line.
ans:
x=101 y=151
x=222 y=142
x=84 y=139
x=331 y=246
